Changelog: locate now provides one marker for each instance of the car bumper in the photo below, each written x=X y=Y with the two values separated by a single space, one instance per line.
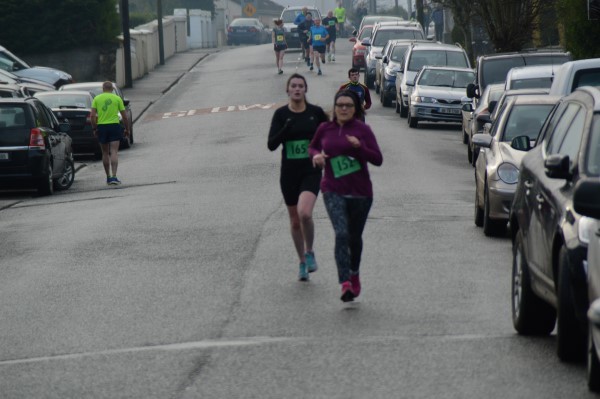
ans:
x=292 y=40
x=500 y=196
x=435 y=113
x=27 y=174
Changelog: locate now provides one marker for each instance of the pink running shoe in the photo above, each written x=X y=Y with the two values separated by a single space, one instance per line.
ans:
x=355 y=281
x=347 y=294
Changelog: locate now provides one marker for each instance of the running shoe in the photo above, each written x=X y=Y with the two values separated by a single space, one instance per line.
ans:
x=355 y=281
x=320 y=73
x=303 y=272
x=280 y=72
x=347 y=294
x=311 y=66
x=333 y=58
x=311 y=262
x=114 y=181
x=109 y=180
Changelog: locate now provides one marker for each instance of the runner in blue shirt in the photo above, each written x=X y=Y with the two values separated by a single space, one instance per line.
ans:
x=318 y=37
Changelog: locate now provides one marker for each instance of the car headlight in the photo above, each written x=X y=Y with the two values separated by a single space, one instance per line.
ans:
x=584 y=230
x=421 y=99
x=508 y=173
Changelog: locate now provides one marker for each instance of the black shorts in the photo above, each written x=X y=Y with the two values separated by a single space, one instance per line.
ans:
x=295 y=182
x=319 y=49
x=331 y=38
x=304 y=43
x=280 y=47
x=110 y=133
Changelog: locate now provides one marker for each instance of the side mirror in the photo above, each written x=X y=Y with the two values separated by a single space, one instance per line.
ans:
x=492 y=106
x=521 y=143
x=366 y=42
x=484 y=118
x=354 y=32
x=352 y=39
x=472 y=90
x=467 y=107
x=125 y=102
x=386 y=60
x=482 y=140
x=64 y=127
x=557 y=166
x=586 y=198
x=378 y=57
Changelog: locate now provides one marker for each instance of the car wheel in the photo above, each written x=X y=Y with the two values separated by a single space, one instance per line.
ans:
x=530 y=314
x=377 y=88
x=68 y=176
x=412 y=121
x=403 y=109
x=397 y=106
x=384 y=100
x=465 y=137
x=46 y=185
x=491 y=227
x=474 y=155
x=368 y=81
x=469 y=153
x=569 y=335
x=593 y=365
x=478 y=209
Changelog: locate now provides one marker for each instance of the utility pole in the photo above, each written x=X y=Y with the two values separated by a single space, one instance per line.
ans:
x=419 y=4
x=161 y=42
x=126 y=42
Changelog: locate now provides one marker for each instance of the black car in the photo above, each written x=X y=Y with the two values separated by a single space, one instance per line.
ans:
x=35 y=149
x=246 y=30
x=11 y=63
x=75 y=107
x=549 y=247
x=96 y=88
x=8 y=90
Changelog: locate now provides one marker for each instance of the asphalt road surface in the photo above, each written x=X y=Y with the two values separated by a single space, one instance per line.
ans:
x=182 y=282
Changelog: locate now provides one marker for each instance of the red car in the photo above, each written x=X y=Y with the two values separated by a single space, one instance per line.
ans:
x=358 y=51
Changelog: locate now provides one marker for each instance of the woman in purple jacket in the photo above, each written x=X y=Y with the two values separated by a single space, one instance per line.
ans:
x=343 y=148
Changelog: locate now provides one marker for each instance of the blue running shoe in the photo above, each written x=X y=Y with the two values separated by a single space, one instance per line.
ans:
x=320 y=73
x=303 y=272
x=311 y=262
x=114 y=181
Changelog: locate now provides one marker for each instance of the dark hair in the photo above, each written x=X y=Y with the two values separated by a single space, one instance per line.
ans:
x=352 y=70
x=309 y=13
x=296 y=76
x=359 y=112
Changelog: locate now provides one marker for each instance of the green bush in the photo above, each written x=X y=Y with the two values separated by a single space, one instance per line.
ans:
x=580 y=34
x=41 y=26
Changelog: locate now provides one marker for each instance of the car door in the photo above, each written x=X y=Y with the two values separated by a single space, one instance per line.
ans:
x=548 y=193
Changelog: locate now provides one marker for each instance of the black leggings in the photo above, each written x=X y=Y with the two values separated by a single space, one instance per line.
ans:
x=348 y=217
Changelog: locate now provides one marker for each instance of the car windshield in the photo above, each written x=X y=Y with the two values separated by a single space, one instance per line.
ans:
x=446 y=78
x=65 y=100
x=525 y=120
x=532 y=83
x=383 y=36
x=366 y=33
x=398 y=52
x=592 y=163
x=244 y=22
x=420 y=58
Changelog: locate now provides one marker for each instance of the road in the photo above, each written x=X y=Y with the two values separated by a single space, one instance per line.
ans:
x=181 y=283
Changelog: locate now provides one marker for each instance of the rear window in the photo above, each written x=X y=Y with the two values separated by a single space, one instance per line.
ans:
x=383 y=36
x=13 y=125
x=244 y=22
x=420 y=58
x=65 y=100
x=532 y=83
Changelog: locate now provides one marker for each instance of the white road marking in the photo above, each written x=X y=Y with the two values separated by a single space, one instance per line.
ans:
x=213 y=110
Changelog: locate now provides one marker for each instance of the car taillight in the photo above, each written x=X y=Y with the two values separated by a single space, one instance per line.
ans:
x=36 y=139
x=253 y=30
x=229 y=29
x=88 y=119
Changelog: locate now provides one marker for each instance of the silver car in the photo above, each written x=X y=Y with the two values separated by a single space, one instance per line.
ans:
x=438 y=94
x=499 y=161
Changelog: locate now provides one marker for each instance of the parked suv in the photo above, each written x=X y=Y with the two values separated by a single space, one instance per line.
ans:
x=35 y=150
x=493 y=68
x=416 y=57
x=549 y=282
x=288 y=15
x=382 y=33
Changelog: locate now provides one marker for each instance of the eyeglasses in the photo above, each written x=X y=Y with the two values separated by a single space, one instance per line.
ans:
x=345 y=105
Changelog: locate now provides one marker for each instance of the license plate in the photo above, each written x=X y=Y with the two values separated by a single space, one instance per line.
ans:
x=295 y=34
x=3 y=156
x=242 y=30
x=454 y=111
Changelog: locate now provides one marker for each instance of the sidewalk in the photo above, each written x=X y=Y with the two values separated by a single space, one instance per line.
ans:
x=148 y=89
x=145 y=92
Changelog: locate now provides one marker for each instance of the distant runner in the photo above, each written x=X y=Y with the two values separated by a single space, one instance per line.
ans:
x=279 y=44
x=318 y=37
x=330 y=22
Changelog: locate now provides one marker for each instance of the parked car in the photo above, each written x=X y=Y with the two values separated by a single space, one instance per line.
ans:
x=75 y=107
x=96 y=88
x=8 y=90
x=586 y=199
x=373 y=19
x=387 y=66
x=493 y=68
x=31 y=85
x=574 y=74
x=437 y=94
x=359 y=50
x=382 y=33
x=246 y=30
x=497 y=168
x=11 y=63
x=548 y=235
x=288 y=15
x=471 y=123
x=35 y=149
x=416 y=57
x=530 y=77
